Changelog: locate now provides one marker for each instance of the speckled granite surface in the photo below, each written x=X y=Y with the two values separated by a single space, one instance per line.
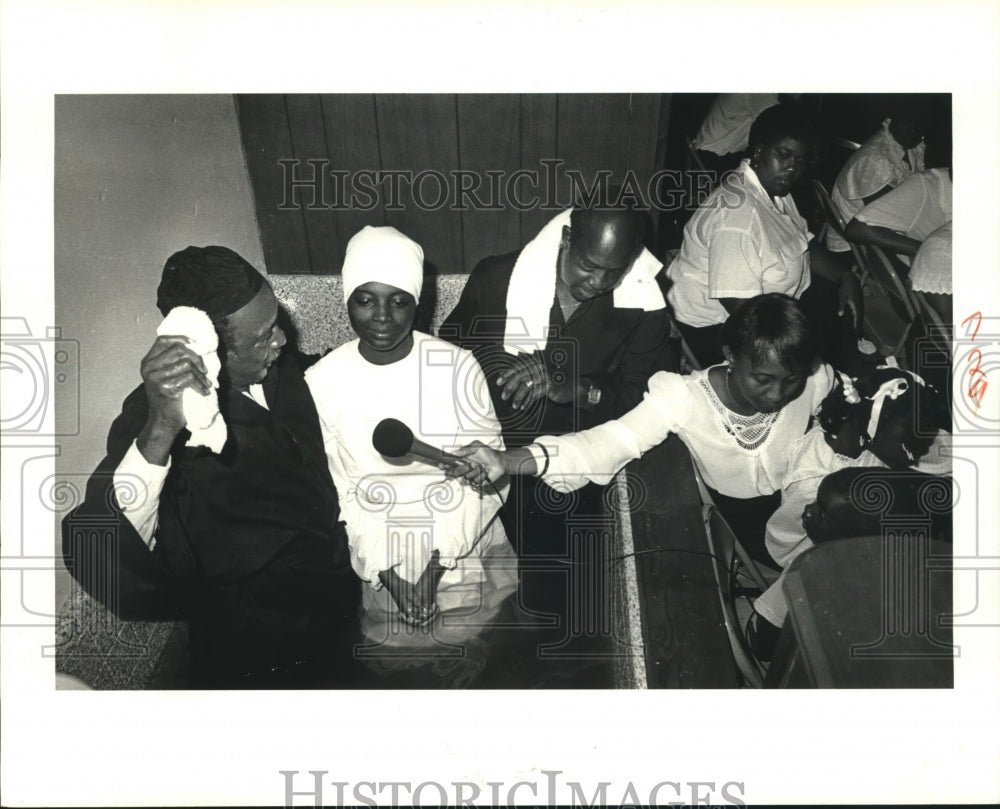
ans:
x=315 y=304
x=107 y=653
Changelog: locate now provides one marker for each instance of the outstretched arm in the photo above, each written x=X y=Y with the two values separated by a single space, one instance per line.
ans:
x=858 y=231
x=489 y=464
x=570 y=461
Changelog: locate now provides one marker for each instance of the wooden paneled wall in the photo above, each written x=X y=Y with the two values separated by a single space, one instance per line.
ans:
x=484 y=137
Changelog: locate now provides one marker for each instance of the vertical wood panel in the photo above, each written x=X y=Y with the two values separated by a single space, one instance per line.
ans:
x=643 y=121
x=662 y=218
x=418 y=133
x=489 y=138
x=266 y=140
x=593 y=134
x=305 y=124
x=443 y=133
x=644 y=146
x=353 y=146
x=538 y=142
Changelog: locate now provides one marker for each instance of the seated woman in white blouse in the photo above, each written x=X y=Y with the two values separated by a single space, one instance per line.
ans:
x=737 y=419
x=748 y=238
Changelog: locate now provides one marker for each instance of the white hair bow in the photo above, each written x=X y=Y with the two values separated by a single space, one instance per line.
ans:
x=891 y=389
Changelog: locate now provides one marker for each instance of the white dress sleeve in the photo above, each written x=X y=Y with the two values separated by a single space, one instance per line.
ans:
x=823 y=378
x=785 y=538
x=595 y=455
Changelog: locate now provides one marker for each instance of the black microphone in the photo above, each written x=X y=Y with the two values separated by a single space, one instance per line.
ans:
x=394 y=439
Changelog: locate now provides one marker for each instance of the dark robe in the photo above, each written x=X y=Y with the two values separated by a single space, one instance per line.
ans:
x=249 y=545
x=617 y=349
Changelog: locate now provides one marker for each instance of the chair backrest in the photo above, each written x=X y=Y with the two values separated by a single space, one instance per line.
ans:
x=833 y=215
x=831 y=154
x=930 y=314
x=901 y=299
x=723 y=543
x=835 y=221
x=689 y=362
x=883 y=271
x=845 y=143
x=695 y=158
x=734 y=547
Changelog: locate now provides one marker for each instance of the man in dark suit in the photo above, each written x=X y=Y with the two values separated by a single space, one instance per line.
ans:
x=569 y=329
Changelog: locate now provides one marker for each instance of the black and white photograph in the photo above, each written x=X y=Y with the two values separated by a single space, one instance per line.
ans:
x=432 y=435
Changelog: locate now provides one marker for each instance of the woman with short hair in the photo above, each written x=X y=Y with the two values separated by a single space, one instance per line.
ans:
x=748 y=238
x=737 y=418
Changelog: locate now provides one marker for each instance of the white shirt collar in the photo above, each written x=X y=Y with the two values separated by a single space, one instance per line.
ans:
x=754 y=181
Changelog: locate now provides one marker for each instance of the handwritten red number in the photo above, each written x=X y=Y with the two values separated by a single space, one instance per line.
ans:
x=979 y=321
x=977 y=390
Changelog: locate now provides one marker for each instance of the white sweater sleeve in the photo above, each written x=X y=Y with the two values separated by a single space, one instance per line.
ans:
x=595 y=455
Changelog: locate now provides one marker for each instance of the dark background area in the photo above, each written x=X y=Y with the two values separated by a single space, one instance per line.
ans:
x=588 y=132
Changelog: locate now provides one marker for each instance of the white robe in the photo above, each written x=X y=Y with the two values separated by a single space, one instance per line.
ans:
x=398 y=511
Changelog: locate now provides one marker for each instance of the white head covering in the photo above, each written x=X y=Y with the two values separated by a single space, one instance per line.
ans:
x=386 y=256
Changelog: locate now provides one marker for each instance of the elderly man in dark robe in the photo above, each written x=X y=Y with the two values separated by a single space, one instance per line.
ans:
x=246 y=543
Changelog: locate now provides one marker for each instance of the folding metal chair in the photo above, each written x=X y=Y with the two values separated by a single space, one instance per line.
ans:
x=847 y=144
x=930 y=314
x=835 y=221
x=689 y=362
x=760 y=579
x=693 y=158
x=723 y=544
x=900 y=297
x=728 y=558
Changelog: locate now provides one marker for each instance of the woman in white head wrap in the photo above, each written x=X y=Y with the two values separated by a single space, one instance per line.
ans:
x=420 y=542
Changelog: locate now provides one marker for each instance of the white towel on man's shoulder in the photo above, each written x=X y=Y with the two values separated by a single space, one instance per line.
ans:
x=533 y=285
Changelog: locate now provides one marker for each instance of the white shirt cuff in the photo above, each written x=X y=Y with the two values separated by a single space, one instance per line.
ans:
x=138 y=485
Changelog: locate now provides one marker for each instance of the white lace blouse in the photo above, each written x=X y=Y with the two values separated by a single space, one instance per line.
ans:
x=736 y=455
